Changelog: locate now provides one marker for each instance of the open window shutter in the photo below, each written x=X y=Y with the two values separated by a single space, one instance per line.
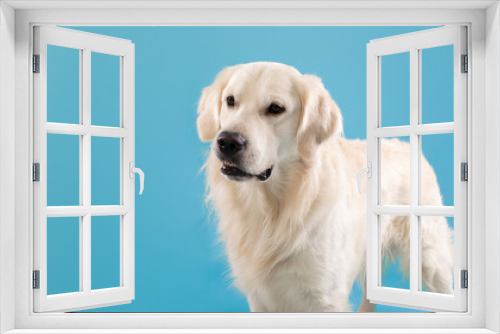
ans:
x=414 y=43
x=85 y=296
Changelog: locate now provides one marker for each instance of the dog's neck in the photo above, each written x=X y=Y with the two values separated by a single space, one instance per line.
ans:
x=273 y=212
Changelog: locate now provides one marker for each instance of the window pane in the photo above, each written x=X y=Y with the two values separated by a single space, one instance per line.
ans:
x=105 y=90
x=437 y=251
x=395 y=89
x=437 y=172
x=437 y=84
x=63 y=170
x=105 y=252
x=105 y=171
x=395 y=251
x=63 y=255
x=63 y=85
x=395 y=171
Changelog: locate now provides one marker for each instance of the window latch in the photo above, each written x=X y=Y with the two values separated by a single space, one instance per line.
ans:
x=132 y=171
x=368 y=171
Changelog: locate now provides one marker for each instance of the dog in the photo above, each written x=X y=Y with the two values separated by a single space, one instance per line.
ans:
x=282 y=181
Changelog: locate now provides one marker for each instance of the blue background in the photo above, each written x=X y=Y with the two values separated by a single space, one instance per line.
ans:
x=179 y=265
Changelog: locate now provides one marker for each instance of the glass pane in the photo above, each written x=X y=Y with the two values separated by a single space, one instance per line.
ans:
x=437 y=173
x=105 y=171
x=63 y=255
x=63 y=85
x=395 y=171
x=105 y=90
x=395 y=89
x=105 y=252
x=395 y=251
x=437 y=253
x=437 y=84
x=63 y=170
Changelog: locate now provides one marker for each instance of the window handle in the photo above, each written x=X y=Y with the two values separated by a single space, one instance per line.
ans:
x=368 y=171
x=134 y=170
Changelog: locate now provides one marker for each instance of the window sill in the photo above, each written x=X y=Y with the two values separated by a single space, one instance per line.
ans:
x=248 y=331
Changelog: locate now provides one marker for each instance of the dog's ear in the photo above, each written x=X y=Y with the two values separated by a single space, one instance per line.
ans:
x=210 y=103
x=321 y=117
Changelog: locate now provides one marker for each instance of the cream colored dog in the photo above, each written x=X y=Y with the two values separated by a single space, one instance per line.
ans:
x=283 y=183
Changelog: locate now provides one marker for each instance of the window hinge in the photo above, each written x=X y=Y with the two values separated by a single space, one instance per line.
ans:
x=36 y=279
x=465 y=279
x=465 y=64
x=36 y=63
x=36 y=172
x=464 y=168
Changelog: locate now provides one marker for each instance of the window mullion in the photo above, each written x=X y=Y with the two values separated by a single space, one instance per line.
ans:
x=418 y=119
x=85 y=162
x=414 y=170
x=81 y=230
x=122 y=175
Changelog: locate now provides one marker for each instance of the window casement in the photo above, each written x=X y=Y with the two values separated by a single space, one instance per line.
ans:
x=421 y=215
x=88 y=135
x=477 y=306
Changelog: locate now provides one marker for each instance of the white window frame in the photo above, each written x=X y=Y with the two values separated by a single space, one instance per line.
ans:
x=16 y=128
x=85 y=43
x=413 y=44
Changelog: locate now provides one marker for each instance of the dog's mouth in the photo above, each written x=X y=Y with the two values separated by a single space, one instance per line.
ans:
x=234 y=173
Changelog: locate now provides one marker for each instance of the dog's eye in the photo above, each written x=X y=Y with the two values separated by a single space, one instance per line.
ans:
x=230 y=101
x=275 y=109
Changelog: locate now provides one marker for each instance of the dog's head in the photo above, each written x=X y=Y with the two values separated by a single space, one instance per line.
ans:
x=263 y=115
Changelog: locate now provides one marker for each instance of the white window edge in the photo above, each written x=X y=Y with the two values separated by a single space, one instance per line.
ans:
x=256 y=331
x=19 y=316
x=492 y=65
x=7 y=165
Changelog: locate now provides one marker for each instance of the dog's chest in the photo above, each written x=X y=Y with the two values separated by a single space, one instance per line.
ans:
x=307 y=278
x=295 y=284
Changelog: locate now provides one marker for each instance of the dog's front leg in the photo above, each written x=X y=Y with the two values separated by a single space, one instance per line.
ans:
x=365 y=305
x=255 y=305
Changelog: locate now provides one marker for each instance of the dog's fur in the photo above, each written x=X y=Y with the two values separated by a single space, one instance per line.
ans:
x=297 y=242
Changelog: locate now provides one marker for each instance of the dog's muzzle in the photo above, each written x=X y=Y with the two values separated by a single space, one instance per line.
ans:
x=230 y=146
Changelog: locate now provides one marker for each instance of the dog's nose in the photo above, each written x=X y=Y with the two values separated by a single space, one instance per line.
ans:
x=230 y=143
